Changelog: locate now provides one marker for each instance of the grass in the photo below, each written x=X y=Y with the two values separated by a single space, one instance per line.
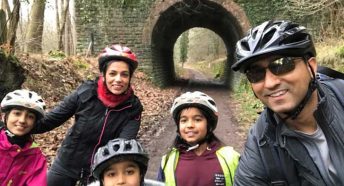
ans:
x=249 y=106
x=331 y=54
x=213 y=69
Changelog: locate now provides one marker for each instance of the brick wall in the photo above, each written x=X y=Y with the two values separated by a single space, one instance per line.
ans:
x=150 y=28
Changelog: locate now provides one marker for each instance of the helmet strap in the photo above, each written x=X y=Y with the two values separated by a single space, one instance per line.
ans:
x=193 y=146
x=17 y=140
x=311 y=87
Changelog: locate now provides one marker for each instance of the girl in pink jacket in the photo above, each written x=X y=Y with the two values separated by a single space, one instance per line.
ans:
x=22 y=163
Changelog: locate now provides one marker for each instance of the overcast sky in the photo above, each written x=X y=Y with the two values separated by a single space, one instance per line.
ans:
x=49 y=14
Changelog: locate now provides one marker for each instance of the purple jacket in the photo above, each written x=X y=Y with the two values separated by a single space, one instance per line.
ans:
x=21 y=166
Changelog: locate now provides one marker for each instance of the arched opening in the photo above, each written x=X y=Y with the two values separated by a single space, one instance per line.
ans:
x=183 y=16
x=200 y=56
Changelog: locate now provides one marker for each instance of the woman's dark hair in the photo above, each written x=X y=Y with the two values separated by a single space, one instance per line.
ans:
x=131 y=70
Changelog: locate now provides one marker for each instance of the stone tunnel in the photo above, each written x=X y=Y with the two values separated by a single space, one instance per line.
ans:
x=151 y=29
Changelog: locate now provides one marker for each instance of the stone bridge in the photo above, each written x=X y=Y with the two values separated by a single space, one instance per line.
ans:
x=151 y=28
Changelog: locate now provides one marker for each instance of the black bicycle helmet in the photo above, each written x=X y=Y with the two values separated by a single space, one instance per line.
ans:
x=273 y=37
x=117 y=150
x=117 y=52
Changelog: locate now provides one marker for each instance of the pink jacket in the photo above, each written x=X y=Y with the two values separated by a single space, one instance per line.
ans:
x=21 y=166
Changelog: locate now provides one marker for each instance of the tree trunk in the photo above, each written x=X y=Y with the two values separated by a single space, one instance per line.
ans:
x=35 y=28
x=57 y=15
x=3 y=27
x=68 y=35
x=5 y=6
x=61 y=29
x=13 y=24
x=11 y=74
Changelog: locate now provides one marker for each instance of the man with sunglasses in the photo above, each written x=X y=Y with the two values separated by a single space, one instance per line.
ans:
x=299 y=137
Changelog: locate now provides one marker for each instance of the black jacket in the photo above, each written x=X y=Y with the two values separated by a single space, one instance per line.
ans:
x=94 y=125
x=296 y=164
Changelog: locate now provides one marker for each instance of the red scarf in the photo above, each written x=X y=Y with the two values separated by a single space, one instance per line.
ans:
x=109 y=99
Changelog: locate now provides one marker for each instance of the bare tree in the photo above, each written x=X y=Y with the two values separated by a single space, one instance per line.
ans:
x=13 y=24
x=11 y=74
x=69 y=45
x=5 y=6
x=3 y=27
x=324 y=15
x=35 y=28
x=61 y=21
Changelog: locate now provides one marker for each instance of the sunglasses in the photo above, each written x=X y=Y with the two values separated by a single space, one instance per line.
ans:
x=279 y=66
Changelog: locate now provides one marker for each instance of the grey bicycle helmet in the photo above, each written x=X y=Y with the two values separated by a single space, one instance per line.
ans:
x=116 y=150
x=117 y=52
x=24 y=98
x=195 y=99
x=273 y=37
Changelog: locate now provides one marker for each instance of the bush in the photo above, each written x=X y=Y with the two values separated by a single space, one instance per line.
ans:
x=340 y=52
x=57 y=54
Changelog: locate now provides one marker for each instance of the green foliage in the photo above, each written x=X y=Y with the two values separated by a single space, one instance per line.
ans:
x=214 y=69
x=184 y=42
x=330 y=53
x=340 y=52
x=79 y=64
x=57 y=54
x=7 y=55
x=263 y=10
x=129 y=3
x=250 y=106
x=218 y=68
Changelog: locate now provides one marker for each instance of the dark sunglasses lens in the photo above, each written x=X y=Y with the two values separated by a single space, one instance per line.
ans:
x=282 y=66
x=255 y=75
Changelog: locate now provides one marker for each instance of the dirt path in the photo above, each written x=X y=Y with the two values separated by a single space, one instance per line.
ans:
x=227 y=129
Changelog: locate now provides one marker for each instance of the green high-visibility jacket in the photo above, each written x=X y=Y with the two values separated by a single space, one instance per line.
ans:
x=227 y=157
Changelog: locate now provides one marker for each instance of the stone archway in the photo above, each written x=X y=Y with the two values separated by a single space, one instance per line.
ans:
x=172 y=18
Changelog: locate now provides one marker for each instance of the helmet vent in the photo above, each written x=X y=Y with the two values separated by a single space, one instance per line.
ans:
x=106 y=152
x=127 y=147
x=267 y=36
x=296 y=38
x=245 y=46
x=291 y=26
x=116 y=147
x=254 y=34
x=212 y=102
x=30 y=95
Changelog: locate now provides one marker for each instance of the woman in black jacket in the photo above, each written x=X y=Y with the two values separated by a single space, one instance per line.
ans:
x=104 y=109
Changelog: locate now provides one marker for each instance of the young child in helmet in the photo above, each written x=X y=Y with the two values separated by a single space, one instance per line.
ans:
x=197 y=157
x=21 y=161
x=120 y=162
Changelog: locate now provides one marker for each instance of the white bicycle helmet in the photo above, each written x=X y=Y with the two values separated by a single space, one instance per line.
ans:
x=116 y=150
x=24 y=98
x=195 y=99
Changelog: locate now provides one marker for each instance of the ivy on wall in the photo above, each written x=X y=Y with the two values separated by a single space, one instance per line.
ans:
x=129 y=3
x=262 y=10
